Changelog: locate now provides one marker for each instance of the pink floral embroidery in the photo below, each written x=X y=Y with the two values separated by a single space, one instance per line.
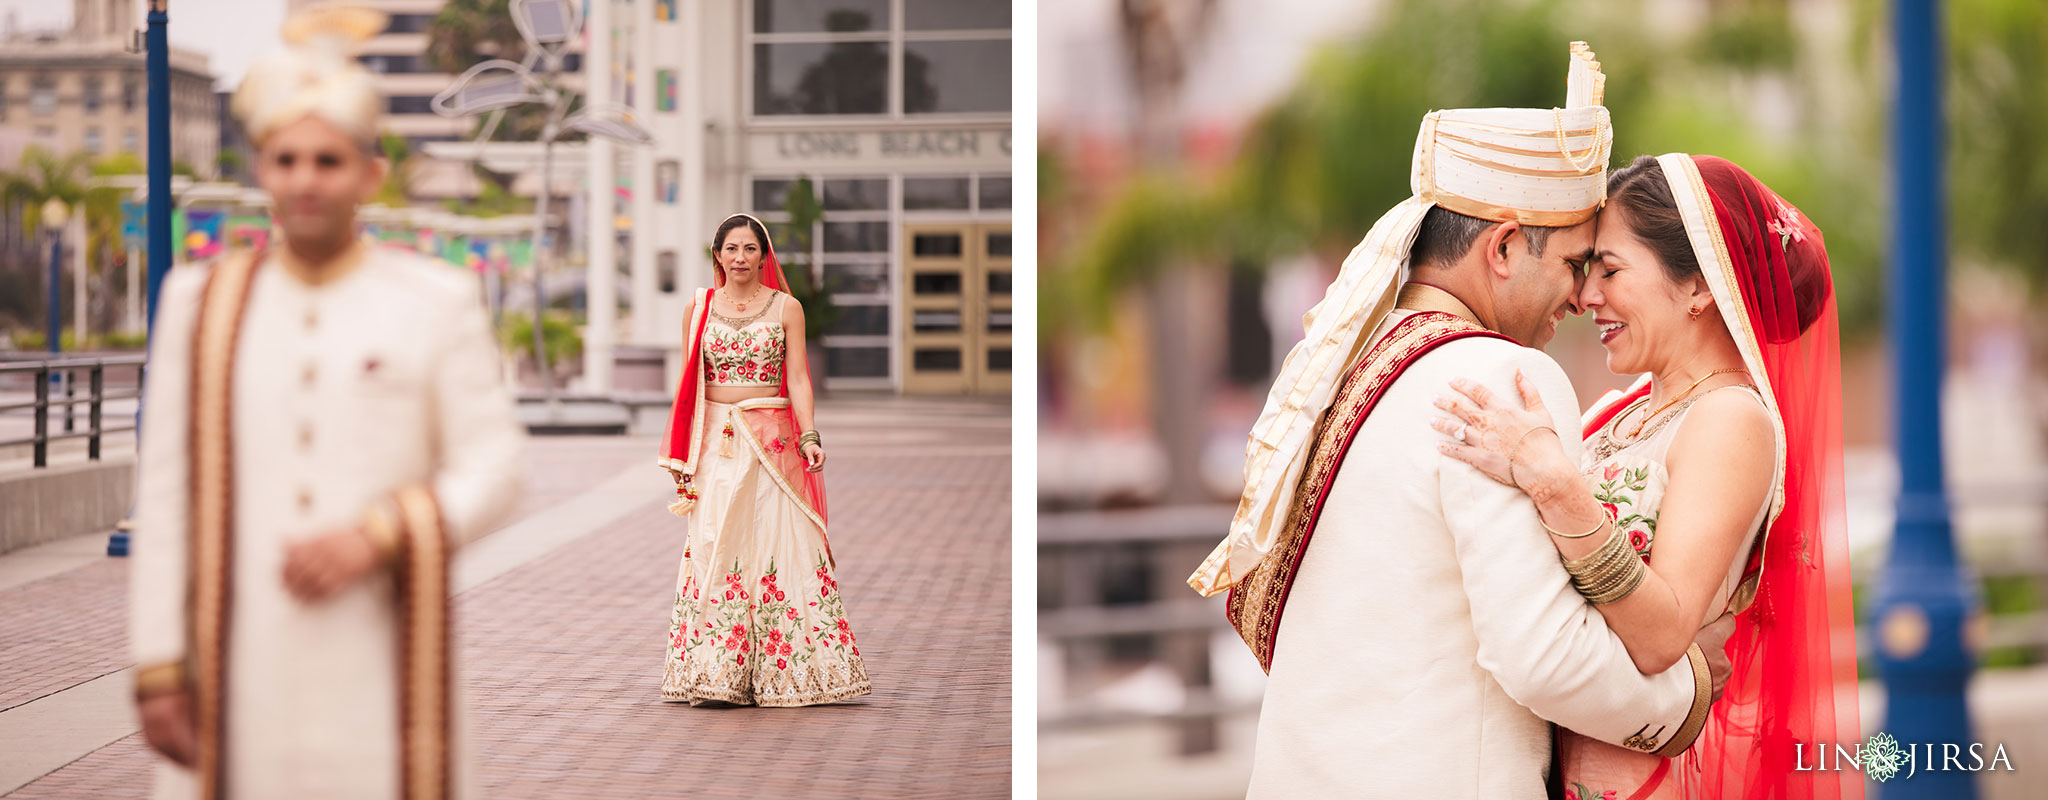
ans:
x=1786 y=226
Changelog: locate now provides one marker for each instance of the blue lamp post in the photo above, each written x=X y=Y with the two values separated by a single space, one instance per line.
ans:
x=1926 y=600
x=157 y=65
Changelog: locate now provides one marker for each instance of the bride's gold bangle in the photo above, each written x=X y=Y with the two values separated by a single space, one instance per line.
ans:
x=1517 y=450
x=1554 y=532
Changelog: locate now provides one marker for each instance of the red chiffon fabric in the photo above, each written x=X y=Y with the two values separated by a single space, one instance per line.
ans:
x=1793 y=653
x=682 y=423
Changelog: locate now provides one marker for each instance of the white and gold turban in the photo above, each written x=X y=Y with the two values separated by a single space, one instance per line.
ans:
x=1540 y=167
x=315 y=74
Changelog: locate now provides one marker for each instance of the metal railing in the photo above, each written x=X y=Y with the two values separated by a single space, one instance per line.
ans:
x=1114 y=581
x=65 y=371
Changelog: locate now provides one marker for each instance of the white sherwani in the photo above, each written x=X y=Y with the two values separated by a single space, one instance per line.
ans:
x=1431 y=630
x=386 y=376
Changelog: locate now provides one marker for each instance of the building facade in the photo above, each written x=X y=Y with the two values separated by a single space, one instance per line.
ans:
x=397 y=60
x=82 y=90
x=896 y=112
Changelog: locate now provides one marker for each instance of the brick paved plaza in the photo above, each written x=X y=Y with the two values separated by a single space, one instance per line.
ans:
x=561 y=645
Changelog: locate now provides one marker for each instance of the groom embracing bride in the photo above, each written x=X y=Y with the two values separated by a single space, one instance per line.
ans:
x=1428 y=640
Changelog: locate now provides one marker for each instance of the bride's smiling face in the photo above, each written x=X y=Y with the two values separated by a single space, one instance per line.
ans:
x=1641 y=312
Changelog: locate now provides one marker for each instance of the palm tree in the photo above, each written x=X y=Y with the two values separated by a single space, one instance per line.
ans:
x=43 y=176
x=466 y=32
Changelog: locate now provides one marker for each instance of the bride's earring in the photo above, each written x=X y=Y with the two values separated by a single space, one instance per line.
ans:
x=1695 y=312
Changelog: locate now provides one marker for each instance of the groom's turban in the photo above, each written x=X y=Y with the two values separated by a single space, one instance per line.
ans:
x=1540 y=167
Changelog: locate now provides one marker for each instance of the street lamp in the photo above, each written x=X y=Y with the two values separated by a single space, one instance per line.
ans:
x=548 y=26
x=55 y=214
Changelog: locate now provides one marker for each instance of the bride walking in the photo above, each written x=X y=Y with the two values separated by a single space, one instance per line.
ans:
x=758 y=618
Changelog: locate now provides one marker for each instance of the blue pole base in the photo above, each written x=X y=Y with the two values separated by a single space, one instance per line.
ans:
x=1918 y=623
x=117 y=544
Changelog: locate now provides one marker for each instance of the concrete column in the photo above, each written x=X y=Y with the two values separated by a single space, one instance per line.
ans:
x=600 y=287
x=134 y=322
x=693 y=267
x=645 y=288
x=82 y=285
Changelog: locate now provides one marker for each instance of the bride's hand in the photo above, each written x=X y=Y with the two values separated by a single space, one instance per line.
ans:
x=1487 y=432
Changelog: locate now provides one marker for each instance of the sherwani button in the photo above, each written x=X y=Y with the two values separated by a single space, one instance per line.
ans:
x=305 y=435
x=312 y=319
x=305 y=501
x=306 y=376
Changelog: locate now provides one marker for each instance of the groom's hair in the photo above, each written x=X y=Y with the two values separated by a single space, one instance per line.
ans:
x=1447 y=236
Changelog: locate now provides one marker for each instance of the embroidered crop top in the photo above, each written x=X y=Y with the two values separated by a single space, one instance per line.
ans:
x=745 y=352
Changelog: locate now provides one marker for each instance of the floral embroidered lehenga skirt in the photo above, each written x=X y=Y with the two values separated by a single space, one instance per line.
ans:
x=758 y=617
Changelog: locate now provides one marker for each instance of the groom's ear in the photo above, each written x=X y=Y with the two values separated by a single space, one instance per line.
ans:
x=1496 y=245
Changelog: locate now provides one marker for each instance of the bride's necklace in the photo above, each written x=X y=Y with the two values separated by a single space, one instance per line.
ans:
x=742 y=304
x=1681 y=396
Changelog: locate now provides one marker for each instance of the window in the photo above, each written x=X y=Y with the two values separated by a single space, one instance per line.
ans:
x=935 y=194
x=956 y=77
x=42 y=97
x=821 y=78
x=92 y=140
x=665 y=271
x=572 y=62
x=92 y=95
x=856 y=237
x=852 y=244
x=866 y=194
x=820 y=16
x=858 y=362
x=130 y=141
x=872 y=278
x=861 y=320
x=995 y=193
x=3 y=97
x=927 y=15
x=842 y=57
x=412 y=104
x=409 y=23
x=131 y=94
x=393 y=65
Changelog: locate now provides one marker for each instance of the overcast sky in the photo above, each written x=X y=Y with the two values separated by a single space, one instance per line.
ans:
x=232 y=33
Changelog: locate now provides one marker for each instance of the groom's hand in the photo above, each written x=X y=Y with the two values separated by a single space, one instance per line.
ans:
x=1713 y=642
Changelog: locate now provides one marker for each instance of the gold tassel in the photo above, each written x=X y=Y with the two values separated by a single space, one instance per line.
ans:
x=682 y=506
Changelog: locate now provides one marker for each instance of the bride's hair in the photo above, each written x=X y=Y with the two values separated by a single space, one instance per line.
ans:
x=1652 y=215
x=1643 y=191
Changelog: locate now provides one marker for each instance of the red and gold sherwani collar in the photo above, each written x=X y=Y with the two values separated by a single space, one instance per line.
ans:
x=1257 y=601
x=1419 y=296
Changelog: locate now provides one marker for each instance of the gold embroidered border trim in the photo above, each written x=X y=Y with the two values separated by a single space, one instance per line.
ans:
x=1702 y=702
x=211 y=484
x=1255 y=604
x=1696 y=208
x=425 y=677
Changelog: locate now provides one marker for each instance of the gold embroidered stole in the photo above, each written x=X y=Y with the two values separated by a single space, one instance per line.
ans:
x=1257 y=601
x=420 y=568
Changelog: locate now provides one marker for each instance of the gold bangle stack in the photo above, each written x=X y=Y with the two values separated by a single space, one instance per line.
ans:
x=809 y=437
x=1608 y=574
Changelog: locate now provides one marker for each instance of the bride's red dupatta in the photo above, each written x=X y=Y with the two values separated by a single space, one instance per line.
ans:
x=1792 y=657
